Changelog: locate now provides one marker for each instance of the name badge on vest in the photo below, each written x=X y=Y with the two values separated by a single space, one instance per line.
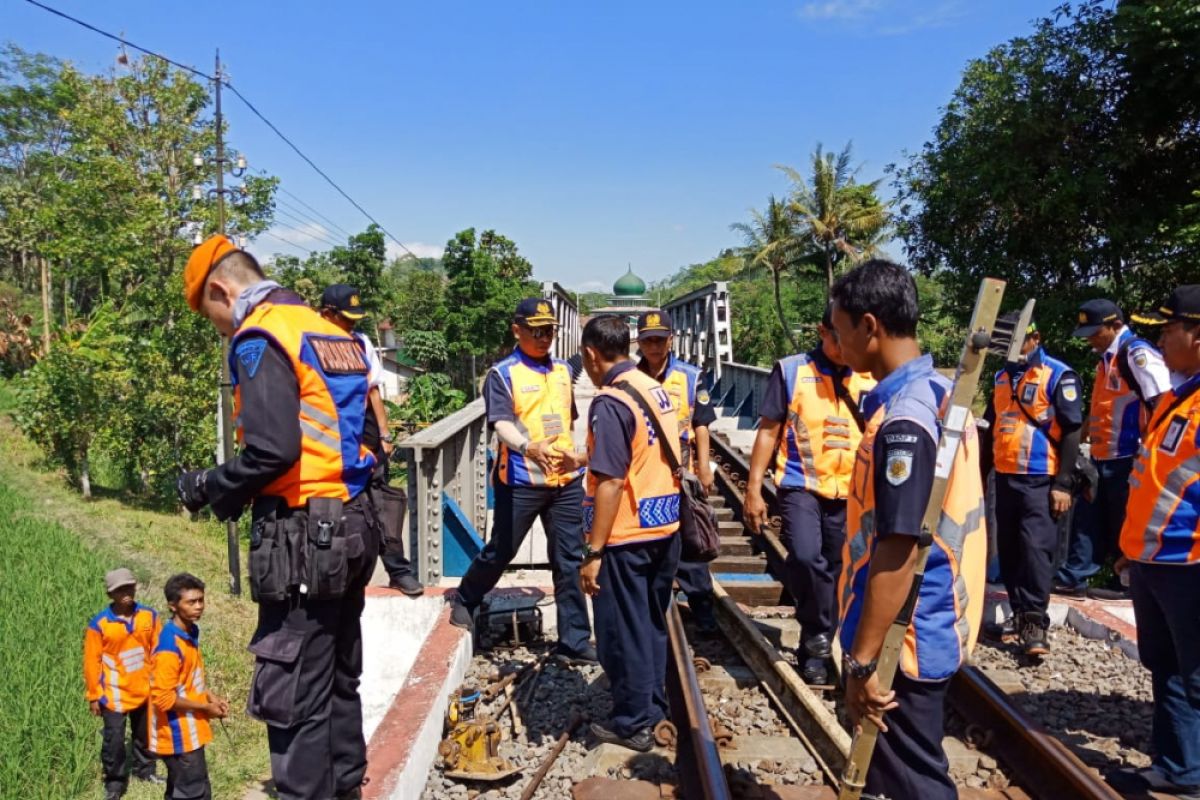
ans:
x=1114 y=379
x=1028 y=393
x=338 y=356
x=1170 y=442
x=552 y=425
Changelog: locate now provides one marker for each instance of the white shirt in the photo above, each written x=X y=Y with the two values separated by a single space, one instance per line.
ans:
x=1145 y=363
x=374 y=364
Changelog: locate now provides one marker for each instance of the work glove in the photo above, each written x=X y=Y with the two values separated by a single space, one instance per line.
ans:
x=192 y=488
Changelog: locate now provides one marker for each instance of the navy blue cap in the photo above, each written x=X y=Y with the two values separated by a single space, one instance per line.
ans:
x=1095 y=314
x=653 y=323
x=1183 y=304
x=535 y=312
x=343 y=298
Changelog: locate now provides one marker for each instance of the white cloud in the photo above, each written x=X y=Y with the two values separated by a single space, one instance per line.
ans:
x=419 y=249
x=839 y=9
x=939 y=16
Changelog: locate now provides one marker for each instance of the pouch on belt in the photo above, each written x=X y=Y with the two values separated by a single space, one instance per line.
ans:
x=270 y=558
x=276 y=678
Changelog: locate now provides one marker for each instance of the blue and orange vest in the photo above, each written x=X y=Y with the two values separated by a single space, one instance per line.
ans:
x=178 y=671
x=1114 y=421
x=1162 y=517
x=542 y=398
x=1019 y=446
x=816 y=451
x=682 y=382
x=332 y=373
x=116 y=658
x=949 y=607
x=649 y=507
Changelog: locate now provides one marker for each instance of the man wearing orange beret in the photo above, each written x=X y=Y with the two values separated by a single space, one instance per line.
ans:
x=300 y=397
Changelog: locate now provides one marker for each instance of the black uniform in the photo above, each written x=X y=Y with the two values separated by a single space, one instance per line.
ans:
x=308 y=651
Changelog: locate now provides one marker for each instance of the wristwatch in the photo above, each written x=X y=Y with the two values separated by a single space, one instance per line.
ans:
x=859 y=672
x=590 y=552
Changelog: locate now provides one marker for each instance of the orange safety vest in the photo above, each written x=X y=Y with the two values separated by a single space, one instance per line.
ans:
x=949 y=607
x=816 y=452
x=1162 y=517
x=541 y=398
x=116 y=658
x=331 y=371
x=649 y=507
x=178 y=671
x=1116 y=415
x=682 y=382
x=1019 y=446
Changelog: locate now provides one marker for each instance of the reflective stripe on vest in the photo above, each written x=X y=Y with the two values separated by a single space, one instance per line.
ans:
x=172 y=732
x=1162 y=517
x=1115 y=416
x=649 y=504
x=541 y=397
x=331 y=372
x=1019 y=446
x=950 y=604
x=816 y=450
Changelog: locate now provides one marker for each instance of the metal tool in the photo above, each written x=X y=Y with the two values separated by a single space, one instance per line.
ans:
x=954 y=418
x=536 y=780
x=471 y=749
x=518 y=626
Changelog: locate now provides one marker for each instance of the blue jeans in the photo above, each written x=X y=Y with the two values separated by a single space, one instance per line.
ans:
x=1166 y=603
x=1097 y=525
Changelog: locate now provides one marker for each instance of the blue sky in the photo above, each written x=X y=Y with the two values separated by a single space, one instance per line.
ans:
x=593 y=134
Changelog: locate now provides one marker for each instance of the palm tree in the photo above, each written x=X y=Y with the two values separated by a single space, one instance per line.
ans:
x=836 y=219
x=771 y=243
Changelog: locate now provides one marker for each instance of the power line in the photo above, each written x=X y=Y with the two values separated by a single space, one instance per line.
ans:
x=318 y=213
x=239 y=96
x=320 y=237
x=299 y=231
x=285 y=241
x=309 y=218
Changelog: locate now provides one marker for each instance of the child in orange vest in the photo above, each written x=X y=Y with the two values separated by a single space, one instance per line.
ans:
x=180 y=703
x=116 y=651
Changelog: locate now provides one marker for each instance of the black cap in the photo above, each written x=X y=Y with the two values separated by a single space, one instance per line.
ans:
x=535 y=312
x=343 y=298
x=1094 y=314
x=653 y=323
x=1183 y=304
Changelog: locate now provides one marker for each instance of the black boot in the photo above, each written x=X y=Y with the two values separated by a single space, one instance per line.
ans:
x=817 y=652
x=1033 y=634
x=1002 y=631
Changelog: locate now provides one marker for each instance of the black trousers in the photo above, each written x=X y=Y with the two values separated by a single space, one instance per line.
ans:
x=909 y=761
x=187 y=777
x=561 y=512
x=1026 y=540
x=695 y=579
x=112 y=747
x=307 y=668
x=391 y=503
x=814 y=530
x=631 y=629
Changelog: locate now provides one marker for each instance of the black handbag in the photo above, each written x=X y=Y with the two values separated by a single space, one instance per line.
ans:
x=701 y=541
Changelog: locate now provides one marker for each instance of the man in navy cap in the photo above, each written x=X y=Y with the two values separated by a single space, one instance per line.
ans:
x=531 y=405
x=1130 y=375
x=689 y=397
x=341 y=305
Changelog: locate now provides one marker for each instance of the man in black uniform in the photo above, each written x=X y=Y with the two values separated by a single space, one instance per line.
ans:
x=300 y=399
x=341 y=305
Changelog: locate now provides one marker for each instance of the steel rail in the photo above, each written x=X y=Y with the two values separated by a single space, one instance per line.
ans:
x=697 y=758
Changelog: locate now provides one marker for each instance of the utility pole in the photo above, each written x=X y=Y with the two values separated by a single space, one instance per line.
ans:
x=233 y=540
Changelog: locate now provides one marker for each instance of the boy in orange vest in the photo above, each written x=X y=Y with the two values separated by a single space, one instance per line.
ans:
x=181 y=704
x=116 y=651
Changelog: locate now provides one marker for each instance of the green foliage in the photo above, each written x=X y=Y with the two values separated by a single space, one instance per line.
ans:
x=427 y=348
x=487 y=278
x=1066 y=163
x=418 y=301
x=429 y=398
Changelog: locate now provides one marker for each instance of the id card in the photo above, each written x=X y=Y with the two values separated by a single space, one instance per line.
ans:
x=552 y=425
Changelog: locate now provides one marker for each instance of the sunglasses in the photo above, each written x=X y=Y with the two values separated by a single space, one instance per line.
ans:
x=540 y=332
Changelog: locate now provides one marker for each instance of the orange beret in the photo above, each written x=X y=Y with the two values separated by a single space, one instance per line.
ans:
x=200 y=263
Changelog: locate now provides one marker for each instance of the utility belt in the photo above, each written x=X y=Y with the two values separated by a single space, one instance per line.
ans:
x=304 y=551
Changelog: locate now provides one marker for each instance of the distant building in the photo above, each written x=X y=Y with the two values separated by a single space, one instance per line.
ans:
x=398 y=368
x=627 y=300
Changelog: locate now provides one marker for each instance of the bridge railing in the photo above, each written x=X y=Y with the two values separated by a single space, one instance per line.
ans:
x=740 y=389
x=702 y=324
x=447 y=486
x=562 y=303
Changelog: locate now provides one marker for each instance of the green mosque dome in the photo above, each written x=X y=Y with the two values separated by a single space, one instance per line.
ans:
x=629 y=285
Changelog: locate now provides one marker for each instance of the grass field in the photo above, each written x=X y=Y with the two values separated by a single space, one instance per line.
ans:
x=56 y=549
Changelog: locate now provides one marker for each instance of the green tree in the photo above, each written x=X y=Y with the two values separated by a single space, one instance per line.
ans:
x=487 y=278
x=362 y=261
x=837 y=220
x=771 y=244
